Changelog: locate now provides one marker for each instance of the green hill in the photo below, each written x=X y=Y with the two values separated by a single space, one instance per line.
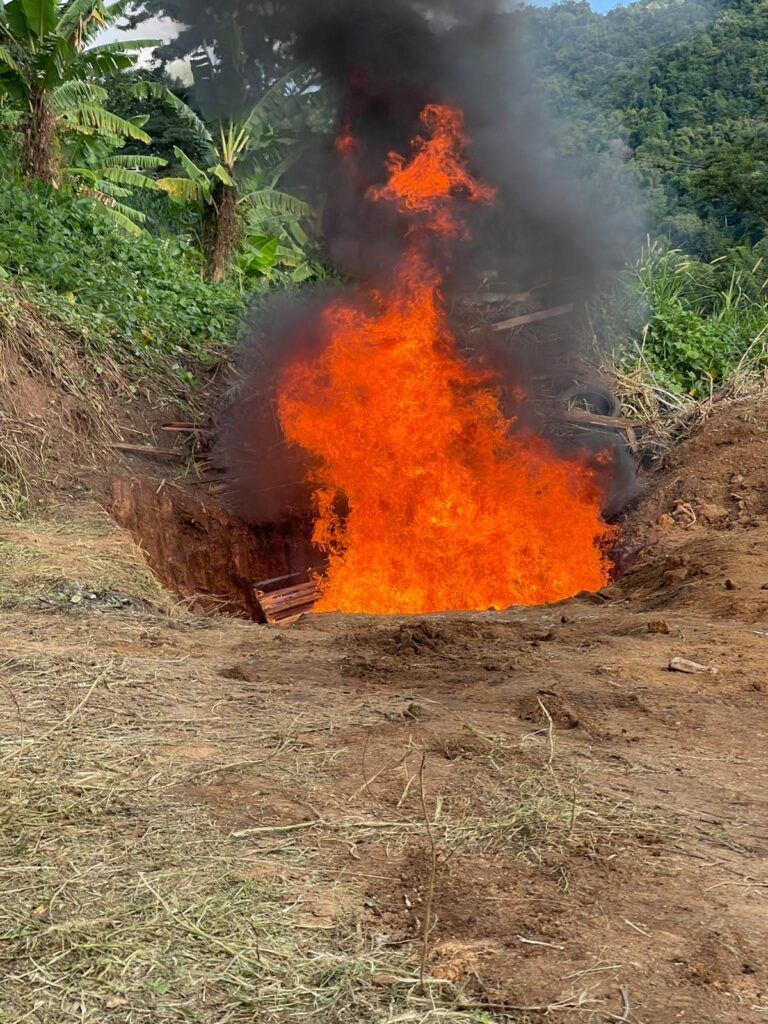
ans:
x=684 y=86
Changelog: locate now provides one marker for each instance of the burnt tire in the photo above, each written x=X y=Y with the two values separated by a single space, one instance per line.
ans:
x=591 y=398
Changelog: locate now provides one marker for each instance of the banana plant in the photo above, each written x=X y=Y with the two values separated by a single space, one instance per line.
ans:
x=112 y=180
x=48 y=59
x=95 y=169
x=235 y=152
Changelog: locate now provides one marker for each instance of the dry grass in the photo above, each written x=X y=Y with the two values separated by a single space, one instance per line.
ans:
x=669 y=418
x=122 y=905
x=62 y=560
x=54 y=402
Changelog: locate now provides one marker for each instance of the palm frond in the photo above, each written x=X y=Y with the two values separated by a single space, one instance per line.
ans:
x=183 y=189
x=278 y=204
x=154 y=90
x=233 y=141
x=81 y=173
x=118 y=9
x=127 y=44
x=135 y=162
x=93 y=116
x=72 y=93
x=124 y=216
x=105 y=62
x=76 y=15
x=109 y=188
x=191 y=168
x=41 y=17
x=54 y=62
x=130 y=178
x=223 y=175
x=280 y=99
x=122 y=219
x=6 y=58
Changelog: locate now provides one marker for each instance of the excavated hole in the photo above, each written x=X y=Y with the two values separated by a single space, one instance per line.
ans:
x=207 y=555
x=202 y=551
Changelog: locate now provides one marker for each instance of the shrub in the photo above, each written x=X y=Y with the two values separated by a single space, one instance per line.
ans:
x=144 y=295
x=701 y=318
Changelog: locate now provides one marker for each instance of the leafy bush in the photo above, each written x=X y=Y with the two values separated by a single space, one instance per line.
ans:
x=702 y=319
x=143 y=295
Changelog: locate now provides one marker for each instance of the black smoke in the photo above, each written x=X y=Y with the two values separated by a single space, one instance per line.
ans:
x=382 y=64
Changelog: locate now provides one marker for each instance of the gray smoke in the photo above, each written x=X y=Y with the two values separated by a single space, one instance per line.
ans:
x=383 y=63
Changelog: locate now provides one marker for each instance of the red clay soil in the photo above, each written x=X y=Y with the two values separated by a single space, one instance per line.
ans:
x=199 y=549
x=583 y=829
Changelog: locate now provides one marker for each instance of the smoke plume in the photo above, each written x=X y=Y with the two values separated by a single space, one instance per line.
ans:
x=383 y=63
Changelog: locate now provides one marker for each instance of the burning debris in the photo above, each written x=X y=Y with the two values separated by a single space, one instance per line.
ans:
x=421 y=445
x=427 y=497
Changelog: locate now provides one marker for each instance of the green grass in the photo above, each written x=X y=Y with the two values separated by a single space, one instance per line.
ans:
x=702 y=323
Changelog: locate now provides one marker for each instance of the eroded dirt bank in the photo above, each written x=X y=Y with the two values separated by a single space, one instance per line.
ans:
x=208 y=820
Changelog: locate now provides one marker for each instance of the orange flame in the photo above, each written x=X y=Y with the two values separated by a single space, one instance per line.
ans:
x=448 y=506
x=434 y=175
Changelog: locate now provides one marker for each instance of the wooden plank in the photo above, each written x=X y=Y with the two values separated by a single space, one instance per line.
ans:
x=280 y=604
x=293 y=609
x=283 y=596
x=143 y=449
x=185 y=428
x=593 y=419
x=276 y=603
x=530 y=318
x=261 y=584
x=283 y=605
x=496 y=296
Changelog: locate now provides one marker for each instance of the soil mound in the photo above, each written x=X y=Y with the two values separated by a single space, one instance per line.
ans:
x=715 y=480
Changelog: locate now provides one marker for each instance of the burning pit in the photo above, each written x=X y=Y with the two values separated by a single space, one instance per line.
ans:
x=427 y=497
x=410 y=419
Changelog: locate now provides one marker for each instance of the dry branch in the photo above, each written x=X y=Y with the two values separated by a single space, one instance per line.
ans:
x=531 y=318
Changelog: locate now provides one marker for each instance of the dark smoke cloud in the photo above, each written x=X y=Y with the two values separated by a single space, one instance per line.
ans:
x=383 y=63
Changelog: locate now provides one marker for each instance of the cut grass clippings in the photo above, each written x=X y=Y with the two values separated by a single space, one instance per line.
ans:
x=123 y=903
x=119 y=905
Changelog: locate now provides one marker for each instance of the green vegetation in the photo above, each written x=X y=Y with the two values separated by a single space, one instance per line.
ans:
x=243 y=161
x=678 y=91
x=49 y=71
x=681 y=87
x=151 y=252
x=149 y=302
x=704 y=318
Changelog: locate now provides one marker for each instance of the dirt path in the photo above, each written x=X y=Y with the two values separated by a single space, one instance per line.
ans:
x=209 y=821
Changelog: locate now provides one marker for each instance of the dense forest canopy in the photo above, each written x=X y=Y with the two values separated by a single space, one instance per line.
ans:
x=684 y=86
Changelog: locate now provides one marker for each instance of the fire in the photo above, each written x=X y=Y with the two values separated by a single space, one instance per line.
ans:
x=429 y=182
x=427 y=497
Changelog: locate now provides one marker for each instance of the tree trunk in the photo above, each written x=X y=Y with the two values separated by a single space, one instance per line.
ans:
x=220 y=232
x=39 y=161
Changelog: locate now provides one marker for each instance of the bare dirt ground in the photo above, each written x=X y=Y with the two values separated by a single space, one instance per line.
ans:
x=485 y=817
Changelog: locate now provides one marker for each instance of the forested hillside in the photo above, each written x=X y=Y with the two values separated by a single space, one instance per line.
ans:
x=685 y=87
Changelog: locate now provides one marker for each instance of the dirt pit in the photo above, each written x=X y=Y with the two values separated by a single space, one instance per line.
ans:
x=200 y=550
x=482 y=817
